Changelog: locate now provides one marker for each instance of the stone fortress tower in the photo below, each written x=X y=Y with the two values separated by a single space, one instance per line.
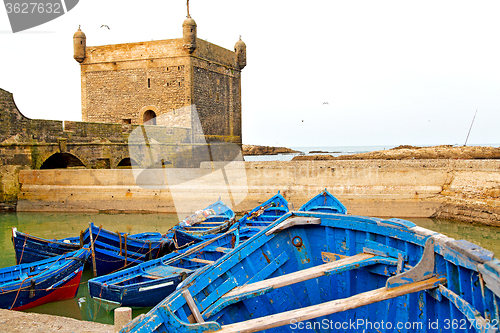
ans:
x=140 y=83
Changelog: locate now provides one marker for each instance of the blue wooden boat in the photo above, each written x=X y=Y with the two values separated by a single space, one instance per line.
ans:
x=333 y=272
x=183 y=239
x=28 y=285
x=30 y=248
x=147 y=284
x=324 y=202
x=109 y=259
x=214 y=219
x=148 y=245
x=267 y=212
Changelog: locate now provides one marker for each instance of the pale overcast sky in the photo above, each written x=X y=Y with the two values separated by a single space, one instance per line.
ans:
x=392 y=72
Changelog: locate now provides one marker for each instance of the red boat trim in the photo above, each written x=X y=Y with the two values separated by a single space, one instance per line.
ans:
x=66 y=291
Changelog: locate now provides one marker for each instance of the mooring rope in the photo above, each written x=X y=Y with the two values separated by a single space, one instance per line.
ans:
x=22 y=252
x=18 y=291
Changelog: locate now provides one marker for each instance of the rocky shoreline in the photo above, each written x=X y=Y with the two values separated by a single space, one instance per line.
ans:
x=406 y=152
x=249 y=150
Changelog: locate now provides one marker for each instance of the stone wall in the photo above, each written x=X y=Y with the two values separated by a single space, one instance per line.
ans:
x=467 y=190
x=121 y=82
x=29 y=143
x=121 y=95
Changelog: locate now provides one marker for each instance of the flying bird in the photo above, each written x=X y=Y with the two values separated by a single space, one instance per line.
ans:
x=325 y=102
x=105 y=26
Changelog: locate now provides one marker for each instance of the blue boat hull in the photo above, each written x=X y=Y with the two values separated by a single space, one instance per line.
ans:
x=30 y=248
x=324 y=202
x=27 y=285
x=150 y=245
x=331 y=272
x=219 y=220
x=147 y=284
x=108 y=259
x=266 y=213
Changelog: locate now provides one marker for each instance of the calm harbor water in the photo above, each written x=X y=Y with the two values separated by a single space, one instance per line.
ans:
x=60 y=225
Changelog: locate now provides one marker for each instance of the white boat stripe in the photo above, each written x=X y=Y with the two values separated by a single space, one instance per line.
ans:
x=157 y=286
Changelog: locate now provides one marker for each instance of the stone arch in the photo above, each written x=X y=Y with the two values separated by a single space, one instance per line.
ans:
x=148 y=114
x=127 y=163
x=62 y=161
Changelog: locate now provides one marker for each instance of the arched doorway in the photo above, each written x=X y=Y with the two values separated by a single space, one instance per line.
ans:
x=62 y=161
x=149 y=118
x=127 y=163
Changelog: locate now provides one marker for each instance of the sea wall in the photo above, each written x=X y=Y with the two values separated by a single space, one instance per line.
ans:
x=467 y=190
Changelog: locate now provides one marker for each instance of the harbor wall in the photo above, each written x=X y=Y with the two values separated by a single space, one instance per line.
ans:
x=467 y=190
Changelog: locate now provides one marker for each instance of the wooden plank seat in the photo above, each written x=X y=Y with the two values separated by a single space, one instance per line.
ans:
x=330 y=307
x=165 y=270
x=202 y=261
x=217 y=249
x=264 y=286
x=258 y=227
x=123 y=279
x=153 y=277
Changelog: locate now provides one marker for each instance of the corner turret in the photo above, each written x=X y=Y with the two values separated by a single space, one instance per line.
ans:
x=240 y=49
x=79 y=45
x=189 y=34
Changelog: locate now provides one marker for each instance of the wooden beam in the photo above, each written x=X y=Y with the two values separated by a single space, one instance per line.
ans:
x=328 y=308
x=328 y=256
x=222 y=249
x=203 y=261
x=192 y=306
x=299 y=276
x=291 y=221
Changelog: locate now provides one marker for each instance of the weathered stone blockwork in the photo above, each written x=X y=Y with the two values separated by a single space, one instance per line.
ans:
x=120 y=83
x=463 y=190
x=29 y=143
x=112 y=96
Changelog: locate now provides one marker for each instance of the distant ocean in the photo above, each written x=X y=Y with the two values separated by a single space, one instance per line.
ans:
x=331 y=150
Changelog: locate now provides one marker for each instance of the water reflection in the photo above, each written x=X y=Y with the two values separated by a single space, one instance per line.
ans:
x=60 y=225
x=487 y=237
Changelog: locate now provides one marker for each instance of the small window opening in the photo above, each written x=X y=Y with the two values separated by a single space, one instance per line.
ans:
x=127 y=121
x=149 y=83
x=217 y=97
x=179 y=68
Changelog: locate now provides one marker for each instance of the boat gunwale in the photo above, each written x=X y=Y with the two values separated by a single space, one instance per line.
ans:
x=384 y=227
x=78 y=255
